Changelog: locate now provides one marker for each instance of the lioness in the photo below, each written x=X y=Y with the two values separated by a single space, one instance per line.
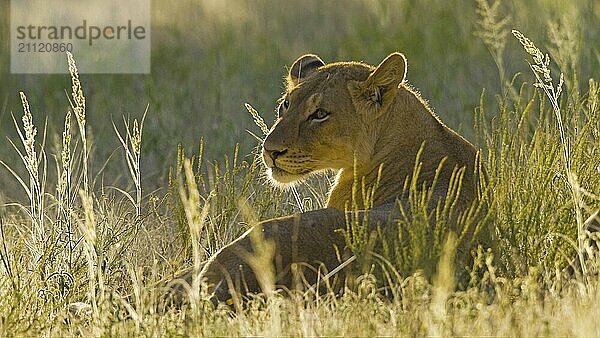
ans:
x=366 y=123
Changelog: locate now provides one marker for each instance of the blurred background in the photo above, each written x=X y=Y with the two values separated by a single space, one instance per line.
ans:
x=209 y=57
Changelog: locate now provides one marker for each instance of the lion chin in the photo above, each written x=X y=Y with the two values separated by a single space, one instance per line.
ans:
x=283 y=179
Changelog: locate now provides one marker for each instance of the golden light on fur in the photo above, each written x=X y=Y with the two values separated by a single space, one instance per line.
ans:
x=371 y=127
x=335 y=113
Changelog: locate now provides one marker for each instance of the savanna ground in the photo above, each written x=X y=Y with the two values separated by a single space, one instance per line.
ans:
x=95 y=219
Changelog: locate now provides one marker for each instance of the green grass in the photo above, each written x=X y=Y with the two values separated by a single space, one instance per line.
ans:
x=82 y=221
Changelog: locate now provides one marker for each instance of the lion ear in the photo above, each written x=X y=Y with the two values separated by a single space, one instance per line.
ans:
x=379 y=89
x=302 y=67
x=383 y=81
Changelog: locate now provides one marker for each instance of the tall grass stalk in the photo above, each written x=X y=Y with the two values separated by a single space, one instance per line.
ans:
x=87 y=226
x=196 y=219
x=31 y=163
x=260 y=122
x=541 y=69
x=64 y=189
x=78 y=106
x=493 y=29
x=443 y=286
x=132 y=143
x=261 y=260
x=36 y=187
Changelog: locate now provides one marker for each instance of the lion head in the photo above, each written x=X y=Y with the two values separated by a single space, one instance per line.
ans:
x=327 y=115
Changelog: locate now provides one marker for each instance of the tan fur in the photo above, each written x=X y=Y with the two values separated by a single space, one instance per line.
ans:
x=364 y=122
x=376 y=119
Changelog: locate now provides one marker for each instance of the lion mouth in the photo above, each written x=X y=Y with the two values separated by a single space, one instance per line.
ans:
x=283 y=176
x=280 y=174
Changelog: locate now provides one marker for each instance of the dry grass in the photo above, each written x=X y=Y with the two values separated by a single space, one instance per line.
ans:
x=82 y=257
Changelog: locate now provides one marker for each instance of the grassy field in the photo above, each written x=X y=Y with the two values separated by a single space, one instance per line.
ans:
x=93 y=221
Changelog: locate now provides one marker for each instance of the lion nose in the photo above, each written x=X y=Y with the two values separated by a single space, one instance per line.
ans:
x=272 y=154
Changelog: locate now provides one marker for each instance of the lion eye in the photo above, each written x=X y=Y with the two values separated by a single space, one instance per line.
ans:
x=283 y=106
x=319 y=115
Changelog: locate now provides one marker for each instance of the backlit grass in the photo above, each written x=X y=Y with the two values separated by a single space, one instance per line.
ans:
x=86 y=242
